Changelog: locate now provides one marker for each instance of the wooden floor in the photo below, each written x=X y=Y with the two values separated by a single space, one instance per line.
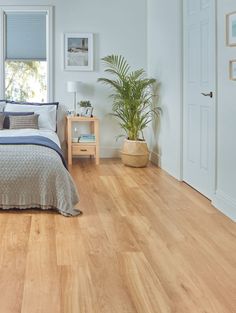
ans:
x=145 y=243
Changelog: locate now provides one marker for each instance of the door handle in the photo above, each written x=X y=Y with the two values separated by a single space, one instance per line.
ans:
x=208 y=94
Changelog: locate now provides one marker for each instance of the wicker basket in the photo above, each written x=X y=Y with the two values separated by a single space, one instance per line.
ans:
x=135 y=153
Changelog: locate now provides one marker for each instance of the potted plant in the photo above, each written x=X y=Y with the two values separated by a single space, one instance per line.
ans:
x=132 y=105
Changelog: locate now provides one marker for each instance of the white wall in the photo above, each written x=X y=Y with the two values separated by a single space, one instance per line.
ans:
x=225 y=198
x=165 y=64
x=149 y=35
x=119 y=27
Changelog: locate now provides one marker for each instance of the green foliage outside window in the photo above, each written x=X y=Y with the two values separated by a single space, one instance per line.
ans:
x=26 y=81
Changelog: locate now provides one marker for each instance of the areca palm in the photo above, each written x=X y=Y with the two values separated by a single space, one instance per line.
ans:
x=132 y=97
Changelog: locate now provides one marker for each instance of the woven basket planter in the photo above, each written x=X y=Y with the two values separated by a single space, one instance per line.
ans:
x=135 y=153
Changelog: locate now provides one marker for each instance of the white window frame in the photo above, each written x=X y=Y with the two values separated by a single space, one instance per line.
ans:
x=49 y=53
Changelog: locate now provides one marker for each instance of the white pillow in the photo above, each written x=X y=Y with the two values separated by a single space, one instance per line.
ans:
x=47 y=113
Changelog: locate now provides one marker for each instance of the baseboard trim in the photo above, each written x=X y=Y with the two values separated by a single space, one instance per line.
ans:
x=225 y=204
x=109 y=152
x=155 y=158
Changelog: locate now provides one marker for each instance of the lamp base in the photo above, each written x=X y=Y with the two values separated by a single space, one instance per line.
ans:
x=75 y=102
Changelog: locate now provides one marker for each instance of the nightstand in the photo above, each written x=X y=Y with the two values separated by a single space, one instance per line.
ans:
x=78 y=149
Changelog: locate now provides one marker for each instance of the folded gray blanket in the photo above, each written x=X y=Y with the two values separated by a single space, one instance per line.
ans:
x=33 y=176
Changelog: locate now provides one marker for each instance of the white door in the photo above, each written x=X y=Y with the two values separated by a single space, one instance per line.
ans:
x=199 y=95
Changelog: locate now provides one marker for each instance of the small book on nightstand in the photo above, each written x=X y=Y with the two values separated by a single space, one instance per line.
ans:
x=87 y=138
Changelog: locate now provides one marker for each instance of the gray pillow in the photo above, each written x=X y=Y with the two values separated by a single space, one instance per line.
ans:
x=25 y=121
x=2 y=117
x=6 y=123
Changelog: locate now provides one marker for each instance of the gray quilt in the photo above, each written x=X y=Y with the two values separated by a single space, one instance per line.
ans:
x=33 y=176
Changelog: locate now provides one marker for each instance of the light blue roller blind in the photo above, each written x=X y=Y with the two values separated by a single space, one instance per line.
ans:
x=26 y=36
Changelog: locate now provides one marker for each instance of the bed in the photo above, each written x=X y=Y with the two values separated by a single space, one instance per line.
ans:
x=33 y=171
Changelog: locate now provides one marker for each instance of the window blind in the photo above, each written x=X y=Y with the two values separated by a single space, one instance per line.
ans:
x=26 y=35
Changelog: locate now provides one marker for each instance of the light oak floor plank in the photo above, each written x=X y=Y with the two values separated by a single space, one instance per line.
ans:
x=15 y=229
x=145 y=243
x=42 y=278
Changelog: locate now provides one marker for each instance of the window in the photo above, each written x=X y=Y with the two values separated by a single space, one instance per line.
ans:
x=26 y=80
x=26 y=69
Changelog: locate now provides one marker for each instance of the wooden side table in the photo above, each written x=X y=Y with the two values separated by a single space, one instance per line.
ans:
x=77 y=149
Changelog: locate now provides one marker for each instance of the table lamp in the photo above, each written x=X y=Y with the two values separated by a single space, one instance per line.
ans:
x=73 y=86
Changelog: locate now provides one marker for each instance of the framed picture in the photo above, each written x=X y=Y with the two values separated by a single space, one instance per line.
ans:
x=89 y=112
x=232 y=70
x=85 y=111
x=78 y=52
x=231 y=29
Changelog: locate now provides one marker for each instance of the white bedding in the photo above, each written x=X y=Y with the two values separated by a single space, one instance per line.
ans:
x=47 y=113
x=31 y=132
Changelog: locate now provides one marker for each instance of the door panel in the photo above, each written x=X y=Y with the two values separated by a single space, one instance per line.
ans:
x=199 y=110
x=192 y=6
x=204 y=151
x=204 y=53
x=193 y=55
x=192 y=134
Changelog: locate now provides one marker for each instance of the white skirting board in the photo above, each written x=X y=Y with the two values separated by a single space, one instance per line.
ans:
x=225 y=204
x=109 y=152
x=221 y=201
x=155 y=158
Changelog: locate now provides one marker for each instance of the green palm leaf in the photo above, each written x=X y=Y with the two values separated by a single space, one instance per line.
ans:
x=132 y=96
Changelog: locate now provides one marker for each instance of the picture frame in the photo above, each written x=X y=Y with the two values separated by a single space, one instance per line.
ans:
x=231 y=29
x=78 y=51
x=232 y=70
x=89 y=112
x=85 y=111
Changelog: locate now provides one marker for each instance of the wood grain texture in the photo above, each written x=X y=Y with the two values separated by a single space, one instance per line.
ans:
x=80 y=149
x=145 y=244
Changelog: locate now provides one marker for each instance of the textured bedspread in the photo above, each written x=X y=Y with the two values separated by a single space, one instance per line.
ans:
x=35 y=140
x=33 y=176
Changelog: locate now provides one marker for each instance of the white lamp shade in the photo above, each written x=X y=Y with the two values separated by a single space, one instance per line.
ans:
x=73 y=86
